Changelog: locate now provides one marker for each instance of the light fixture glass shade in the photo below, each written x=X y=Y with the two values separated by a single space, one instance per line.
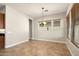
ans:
x=44 y=23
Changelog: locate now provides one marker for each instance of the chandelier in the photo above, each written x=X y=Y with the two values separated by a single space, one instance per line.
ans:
x=43 y=12
x=44 y=23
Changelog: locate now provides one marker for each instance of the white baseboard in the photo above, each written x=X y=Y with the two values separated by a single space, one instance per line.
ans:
x=72 y=48
x=8 y=46
x=69 y=49
x=51 y=40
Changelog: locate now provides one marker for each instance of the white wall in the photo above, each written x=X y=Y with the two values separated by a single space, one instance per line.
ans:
x=54 y=33
x=17 y=27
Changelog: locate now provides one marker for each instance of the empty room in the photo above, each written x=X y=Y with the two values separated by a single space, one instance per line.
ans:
x=39 y=29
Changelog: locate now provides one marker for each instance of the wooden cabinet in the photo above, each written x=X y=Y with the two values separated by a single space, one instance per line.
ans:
x=76 y=7
x=1 y=21
x=73 y=14
x=2 y=26
x=74 y=24
x=2 y=41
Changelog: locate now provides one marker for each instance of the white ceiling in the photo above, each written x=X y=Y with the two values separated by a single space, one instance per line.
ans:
x=34 y=9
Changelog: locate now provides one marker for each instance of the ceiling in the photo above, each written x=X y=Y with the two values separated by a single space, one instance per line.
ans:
x=34 y=9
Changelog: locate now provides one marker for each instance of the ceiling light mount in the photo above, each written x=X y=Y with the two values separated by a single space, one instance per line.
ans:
x=44 y=10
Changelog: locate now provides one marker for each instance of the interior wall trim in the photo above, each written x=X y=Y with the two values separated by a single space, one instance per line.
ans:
x=71 y=46
x=50 y=40
x=8 y=46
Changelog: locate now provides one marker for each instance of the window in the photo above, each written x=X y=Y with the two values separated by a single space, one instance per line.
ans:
x=56 y=22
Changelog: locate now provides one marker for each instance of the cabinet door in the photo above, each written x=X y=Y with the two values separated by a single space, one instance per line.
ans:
x=76 y=14
x=2 y=26
x=1 y=40
x=1 y=21
x=72 y=22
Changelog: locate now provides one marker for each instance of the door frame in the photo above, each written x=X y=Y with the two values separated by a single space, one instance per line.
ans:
x=30 y=29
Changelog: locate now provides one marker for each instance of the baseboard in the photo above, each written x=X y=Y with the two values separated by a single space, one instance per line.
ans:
x=50 y=40
x=71 y=46
x=8 y=46
x=69 y=49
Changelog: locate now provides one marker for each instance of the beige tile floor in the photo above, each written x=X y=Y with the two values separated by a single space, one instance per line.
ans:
x=37 y=48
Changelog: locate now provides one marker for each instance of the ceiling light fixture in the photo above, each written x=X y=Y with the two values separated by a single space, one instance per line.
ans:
x=43 y=11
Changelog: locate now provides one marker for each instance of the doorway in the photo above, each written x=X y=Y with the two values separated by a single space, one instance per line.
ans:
x=30 y=29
